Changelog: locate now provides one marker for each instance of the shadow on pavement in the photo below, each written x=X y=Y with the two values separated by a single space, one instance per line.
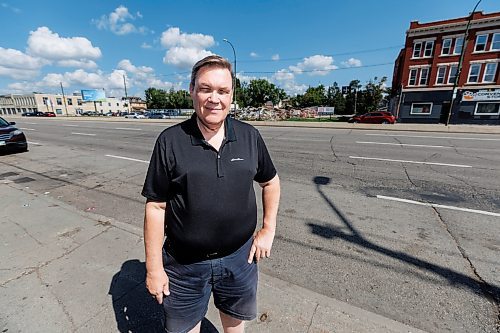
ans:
x=492 y=292
x=135 y=310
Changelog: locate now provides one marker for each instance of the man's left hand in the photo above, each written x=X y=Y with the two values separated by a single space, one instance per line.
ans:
x=262 y=243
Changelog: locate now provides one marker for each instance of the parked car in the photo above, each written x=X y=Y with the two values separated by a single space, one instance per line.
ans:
x=11 y=137
x=158 y=115
x=374 y=118
x=92 y=114
x=135 y=115
x=49 y=114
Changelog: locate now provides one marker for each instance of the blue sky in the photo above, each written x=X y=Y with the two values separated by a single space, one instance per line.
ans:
x=294 y=44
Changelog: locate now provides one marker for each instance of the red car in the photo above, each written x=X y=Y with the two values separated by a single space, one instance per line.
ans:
x=374 y=118
x=49 y=114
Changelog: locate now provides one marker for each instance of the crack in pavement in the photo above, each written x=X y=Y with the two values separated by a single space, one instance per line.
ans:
x=25 y=231
x=333 y=150
x=34 y=269
x=482 y=284
x=59 y=301
x=312 y=317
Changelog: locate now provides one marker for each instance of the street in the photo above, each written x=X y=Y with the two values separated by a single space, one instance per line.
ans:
x=403 y=224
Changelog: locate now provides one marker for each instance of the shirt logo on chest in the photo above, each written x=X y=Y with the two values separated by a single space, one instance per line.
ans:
x=236 y=159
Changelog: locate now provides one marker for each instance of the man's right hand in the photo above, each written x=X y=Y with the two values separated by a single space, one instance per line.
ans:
x=157 y=284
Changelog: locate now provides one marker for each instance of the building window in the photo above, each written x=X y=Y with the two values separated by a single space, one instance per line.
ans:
x=446 y=50
x=429 y=46
x=489 y=109
x=495 y=42
x=441 y=73
x=117 y=104
x=70 y=101
x=413 y=77
x=417 y=48
x=480 y=43
x=459 y=44
x=489 y=72
x=424 y=74
x=79 y=102
x=421 y=108
x=58 y=101
x=45 y=100
x=453 y=74
x=58 y=111
x=474 y=73
x=109 y=103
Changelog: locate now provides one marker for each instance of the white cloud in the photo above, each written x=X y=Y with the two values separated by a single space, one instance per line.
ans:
x=184 y=49
x=275 y=57
x=11 y=58
x=141 y=71
x=86 y=64
x=7 y=6
x=18 y=74
x=48 y=45
x=184 y=57
x=352 y=62
x=284 y=75
x=286 y=80
x=315 y=65
x=174 y=37
x=253 y=55
x=117 y=23
x=146 y=46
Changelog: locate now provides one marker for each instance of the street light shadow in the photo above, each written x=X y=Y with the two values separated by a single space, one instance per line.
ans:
x=135 y=310
x=490 y=291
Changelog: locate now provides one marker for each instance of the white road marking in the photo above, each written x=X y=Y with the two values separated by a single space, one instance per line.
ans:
x=433 y=137
x=34 y=143
x=127 y=158
x=439 y=206
x=27 y=129
x=128 y=129
x=72 y=125
x=413 y=162
x=88 y=134
x=32 y=123
x=401 y=144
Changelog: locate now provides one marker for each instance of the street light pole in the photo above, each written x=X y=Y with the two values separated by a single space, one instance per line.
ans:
x=234 y=76
x=460 y=63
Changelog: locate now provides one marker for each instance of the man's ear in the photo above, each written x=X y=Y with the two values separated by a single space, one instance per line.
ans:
x=191 y=89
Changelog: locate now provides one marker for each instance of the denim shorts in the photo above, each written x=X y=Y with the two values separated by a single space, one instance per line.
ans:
x=231 y=279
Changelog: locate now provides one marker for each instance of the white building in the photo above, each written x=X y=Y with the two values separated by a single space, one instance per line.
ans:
x=71 y=105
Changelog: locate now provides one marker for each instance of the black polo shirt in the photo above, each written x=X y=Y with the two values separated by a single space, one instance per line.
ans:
x=211 y=209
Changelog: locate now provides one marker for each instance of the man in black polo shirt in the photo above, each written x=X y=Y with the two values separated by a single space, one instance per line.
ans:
x=199 y=190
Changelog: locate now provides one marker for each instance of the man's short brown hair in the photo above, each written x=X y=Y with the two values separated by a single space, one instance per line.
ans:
x=210 y=61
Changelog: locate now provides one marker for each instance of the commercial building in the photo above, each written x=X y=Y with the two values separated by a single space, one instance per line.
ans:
x=70 y=105
x=426 y=69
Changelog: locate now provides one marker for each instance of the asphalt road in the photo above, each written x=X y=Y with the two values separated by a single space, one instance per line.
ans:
x=404 y=224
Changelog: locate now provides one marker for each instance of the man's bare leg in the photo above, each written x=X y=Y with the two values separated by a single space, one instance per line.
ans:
x=230 y=324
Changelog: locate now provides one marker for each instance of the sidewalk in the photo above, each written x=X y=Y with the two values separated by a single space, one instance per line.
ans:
x=64 y=270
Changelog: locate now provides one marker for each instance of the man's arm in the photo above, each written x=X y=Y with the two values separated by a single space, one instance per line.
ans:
x=154 y=230
x=263 y=240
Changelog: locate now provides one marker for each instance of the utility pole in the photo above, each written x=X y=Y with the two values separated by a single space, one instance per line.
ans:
x=234 y=78
x=64 y=99
x=460 y=63
x=126 y=97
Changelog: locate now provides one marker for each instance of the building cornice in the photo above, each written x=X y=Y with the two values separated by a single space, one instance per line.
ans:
x=453 y=27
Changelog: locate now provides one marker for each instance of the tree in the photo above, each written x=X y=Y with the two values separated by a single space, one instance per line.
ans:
x=374 y=93
x=261 y=91
x=156 y=98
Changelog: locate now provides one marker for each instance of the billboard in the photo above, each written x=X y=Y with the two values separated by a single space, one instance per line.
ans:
x=481 y=95
x=93 y=95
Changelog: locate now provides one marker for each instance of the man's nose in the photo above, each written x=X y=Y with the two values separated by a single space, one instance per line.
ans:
x=214 y=97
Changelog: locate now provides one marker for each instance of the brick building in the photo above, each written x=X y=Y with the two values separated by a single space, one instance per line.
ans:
x=426 y=68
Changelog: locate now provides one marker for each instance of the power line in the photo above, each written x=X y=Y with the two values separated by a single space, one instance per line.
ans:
x=323 y=70
x=328 y=55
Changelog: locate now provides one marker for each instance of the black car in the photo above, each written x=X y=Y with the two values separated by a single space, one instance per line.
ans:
x=11 y=137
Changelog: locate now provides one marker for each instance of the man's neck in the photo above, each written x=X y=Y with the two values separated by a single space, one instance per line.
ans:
x=210 y=131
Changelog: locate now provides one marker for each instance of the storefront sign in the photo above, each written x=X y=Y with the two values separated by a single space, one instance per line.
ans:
x=481 y=95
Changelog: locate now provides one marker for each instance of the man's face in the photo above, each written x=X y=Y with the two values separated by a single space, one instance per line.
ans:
x=212 y=94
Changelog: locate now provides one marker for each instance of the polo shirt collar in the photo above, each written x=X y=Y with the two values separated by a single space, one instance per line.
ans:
x=197 y=138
